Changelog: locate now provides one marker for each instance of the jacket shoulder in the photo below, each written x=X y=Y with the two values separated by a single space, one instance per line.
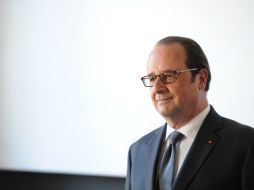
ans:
x=146 y=138
x=238 y=129
x=234 y=125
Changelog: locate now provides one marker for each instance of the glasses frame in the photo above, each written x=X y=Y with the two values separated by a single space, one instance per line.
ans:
x=175 y=72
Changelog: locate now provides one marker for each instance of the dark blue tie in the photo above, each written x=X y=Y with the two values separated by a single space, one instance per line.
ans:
x=168 y=162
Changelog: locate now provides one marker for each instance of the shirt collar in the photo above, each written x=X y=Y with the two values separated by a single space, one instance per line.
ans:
x=191 y=129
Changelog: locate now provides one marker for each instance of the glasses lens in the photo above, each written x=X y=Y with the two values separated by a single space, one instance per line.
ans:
x=168 y=77
x=148 y=81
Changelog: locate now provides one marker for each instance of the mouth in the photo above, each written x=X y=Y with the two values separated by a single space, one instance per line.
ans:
x=163 y=99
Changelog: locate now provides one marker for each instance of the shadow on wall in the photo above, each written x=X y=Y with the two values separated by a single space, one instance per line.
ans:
x=12 y=180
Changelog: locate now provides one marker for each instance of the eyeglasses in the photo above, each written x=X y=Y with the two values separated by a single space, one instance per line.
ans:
x=166 y=77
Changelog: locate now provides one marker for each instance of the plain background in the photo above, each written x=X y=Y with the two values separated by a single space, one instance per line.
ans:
x=71 y=96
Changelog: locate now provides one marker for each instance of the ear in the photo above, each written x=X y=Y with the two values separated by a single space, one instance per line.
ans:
x=203 y=75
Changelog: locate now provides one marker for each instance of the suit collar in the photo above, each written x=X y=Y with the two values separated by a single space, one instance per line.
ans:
x=152 y=154
x=203 y=144
x=190 y=130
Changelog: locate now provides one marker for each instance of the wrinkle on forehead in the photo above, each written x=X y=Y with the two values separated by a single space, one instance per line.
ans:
x=165 y=56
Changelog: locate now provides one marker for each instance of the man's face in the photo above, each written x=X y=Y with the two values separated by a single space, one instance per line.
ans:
x=179 y=99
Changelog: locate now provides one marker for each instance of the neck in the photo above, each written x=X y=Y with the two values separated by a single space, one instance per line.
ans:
x=182 y=119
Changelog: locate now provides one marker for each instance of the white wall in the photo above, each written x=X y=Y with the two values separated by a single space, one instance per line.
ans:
x=71 y=95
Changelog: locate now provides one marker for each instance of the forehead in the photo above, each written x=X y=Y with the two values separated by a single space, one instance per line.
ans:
x=165 y=57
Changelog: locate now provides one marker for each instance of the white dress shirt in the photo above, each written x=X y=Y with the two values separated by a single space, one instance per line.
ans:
x=189 y=131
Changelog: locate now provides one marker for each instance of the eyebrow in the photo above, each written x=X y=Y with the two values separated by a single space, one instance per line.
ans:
x=165 y=71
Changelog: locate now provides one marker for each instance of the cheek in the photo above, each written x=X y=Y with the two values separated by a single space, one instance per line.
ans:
x=180 y=93
x=175 y=90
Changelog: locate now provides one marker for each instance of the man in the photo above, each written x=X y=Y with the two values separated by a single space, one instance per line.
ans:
x=211 y=152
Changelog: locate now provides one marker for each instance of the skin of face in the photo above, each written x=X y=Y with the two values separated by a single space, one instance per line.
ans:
x=180 y=101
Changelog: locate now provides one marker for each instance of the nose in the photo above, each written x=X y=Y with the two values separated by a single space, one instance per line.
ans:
x=159 y=86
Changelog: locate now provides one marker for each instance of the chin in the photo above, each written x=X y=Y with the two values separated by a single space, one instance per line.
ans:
x=168 y=111
x=164 y=111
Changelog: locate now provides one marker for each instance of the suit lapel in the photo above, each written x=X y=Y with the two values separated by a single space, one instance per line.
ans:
x=202 y=146
x=152 y=154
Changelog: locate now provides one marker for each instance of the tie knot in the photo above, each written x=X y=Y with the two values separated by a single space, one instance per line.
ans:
x=174 y=137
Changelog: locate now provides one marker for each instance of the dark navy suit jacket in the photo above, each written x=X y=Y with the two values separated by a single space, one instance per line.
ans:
x=220 y=158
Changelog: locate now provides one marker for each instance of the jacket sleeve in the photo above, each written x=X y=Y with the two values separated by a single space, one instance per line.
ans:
x=128 y=175
x=248 y=170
